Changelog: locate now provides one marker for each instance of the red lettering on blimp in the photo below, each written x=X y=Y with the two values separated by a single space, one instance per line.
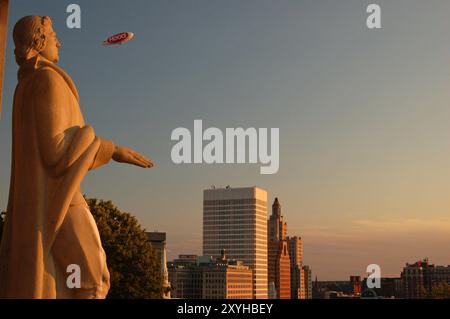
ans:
x=118 y=37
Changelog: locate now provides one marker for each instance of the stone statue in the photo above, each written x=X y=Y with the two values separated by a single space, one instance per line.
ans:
x=48 y=224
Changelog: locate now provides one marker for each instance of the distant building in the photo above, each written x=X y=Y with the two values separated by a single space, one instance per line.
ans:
x=227 y=279
x=332 y=289
x=307 y=275
x=158 y=242
x=272 y=291
x=419 y=278
x=185 y=278
x=235 y=219
x=279 y=263
x=186 y=281
x=329 y=294
x=317 y=291
x=355 y=282
x=295 y=247
x=301 y=275
x=209 y=279
x=185 y=260
x=389 y=288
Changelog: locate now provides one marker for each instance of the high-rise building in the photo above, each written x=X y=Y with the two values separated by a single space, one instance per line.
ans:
x=279 y=264
x=235 y=219
x=296 y=254
x=158 y=242
x=308 y=282
x=208 y=279
x=420 y=278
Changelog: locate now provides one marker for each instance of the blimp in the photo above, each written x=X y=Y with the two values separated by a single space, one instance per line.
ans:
x=119 y=38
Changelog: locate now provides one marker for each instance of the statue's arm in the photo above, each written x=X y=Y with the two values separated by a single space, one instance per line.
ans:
x=104 y=154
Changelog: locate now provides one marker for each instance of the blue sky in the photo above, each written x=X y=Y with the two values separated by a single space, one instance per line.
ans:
x=363 y=116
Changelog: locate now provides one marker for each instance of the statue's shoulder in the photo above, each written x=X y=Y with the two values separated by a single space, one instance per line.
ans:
x=46 y=78
x=46 y=73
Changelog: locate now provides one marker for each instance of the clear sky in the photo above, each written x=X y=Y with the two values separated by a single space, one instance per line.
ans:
x=363 y=115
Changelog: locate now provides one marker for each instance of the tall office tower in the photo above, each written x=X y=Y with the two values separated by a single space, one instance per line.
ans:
x=235 y=219
x=158 y=242
x=298 y=289
x=279 y=263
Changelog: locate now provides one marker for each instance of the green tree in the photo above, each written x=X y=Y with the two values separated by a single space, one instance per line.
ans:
x=132 y=262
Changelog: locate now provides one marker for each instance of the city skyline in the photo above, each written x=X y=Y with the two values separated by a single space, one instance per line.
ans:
x=363 y=116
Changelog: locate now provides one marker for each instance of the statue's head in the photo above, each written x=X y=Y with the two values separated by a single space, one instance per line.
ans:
x=34 y=35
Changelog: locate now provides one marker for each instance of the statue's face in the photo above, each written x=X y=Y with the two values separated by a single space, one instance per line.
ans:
x=51 y=50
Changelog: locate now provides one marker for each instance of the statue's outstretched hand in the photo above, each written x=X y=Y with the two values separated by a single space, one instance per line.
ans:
x=127 y=155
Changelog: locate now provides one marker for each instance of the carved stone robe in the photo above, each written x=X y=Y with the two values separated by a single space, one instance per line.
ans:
x=48 y=224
